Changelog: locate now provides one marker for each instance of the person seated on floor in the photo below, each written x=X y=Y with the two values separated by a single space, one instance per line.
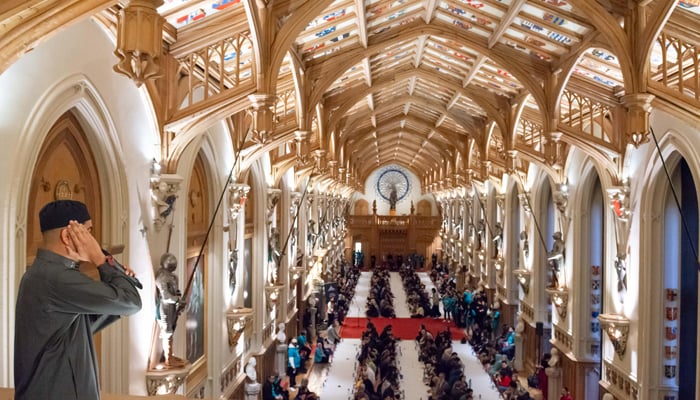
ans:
x=418 y=312
x=321 y=354
x=281 y=386
x=268 y=389
x=459 y=388
x=303 y=393
x=502 y=381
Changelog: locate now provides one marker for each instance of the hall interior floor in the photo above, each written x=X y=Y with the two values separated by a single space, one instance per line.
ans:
x=336 y=381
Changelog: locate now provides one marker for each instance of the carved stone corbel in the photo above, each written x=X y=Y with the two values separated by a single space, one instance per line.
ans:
x=236 y=321
x=165 y=381
x=164 y=188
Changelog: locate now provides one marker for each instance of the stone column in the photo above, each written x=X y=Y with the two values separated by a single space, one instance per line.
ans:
x=312 y=330
x=252 y=391
x=554 y=383
x=281 y=359
x=518 y=361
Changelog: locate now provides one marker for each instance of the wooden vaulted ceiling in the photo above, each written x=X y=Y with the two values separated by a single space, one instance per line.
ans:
x=433 y=85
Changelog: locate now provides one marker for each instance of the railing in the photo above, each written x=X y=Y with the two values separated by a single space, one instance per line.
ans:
x=393 y=220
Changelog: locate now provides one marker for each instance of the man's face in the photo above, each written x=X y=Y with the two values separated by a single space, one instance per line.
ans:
x=88 y=225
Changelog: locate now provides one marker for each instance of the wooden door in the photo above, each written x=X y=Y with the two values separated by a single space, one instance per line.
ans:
x=65 y=169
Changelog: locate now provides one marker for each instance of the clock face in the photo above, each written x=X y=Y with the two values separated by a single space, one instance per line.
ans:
x=393 y=179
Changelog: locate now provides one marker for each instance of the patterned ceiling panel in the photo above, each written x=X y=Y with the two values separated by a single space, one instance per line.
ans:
x=601 y=67
x=184 y=12
x=385 y=15
x=334 y=28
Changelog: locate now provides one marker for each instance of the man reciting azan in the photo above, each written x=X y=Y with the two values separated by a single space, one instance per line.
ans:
x=59 y=308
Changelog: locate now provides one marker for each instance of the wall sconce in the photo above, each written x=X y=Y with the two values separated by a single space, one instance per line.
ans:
x=238 y=193
x=523 y=276
x=560 y=299
x=236 y=321
x=618 y=328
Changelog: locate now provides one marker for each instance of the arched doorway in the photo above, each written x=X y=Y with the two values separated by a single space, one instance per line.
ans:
x=65 y=169
x=680 y=279
x=197 y=224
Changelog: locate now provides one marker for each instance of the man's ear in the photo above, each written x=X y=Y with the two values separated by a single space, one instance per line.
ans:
x=65 y=238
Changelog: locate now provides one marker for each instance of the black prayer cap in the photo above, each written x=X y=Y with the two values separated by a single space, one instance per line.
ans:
x=58 y=214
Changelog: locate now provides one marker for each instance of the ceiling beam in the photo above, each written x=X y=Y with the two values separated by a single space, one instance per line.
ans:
x=361 y=21
x=420 y=48
x=506 y=22
x=412 y=84
x=430 y=8
x=475 y=68
x=368 y=71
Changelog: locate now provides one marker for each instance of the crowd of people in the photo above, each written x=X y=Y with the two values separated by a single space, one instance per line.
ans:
x=378 y=373
x=380 y=301
x=417 y=298
x=443 y=369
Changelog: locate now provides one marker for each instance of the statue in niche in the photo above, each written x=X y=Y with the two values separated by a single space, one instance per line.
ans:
x=311 y=234
x=525 y=243
x=232 y=268
x=621 y=269
x=170 y=306
x=393 y=198
x=480 y=226
x=293 y=238
x=555 y=259
x=497 y=239
x=274 y=246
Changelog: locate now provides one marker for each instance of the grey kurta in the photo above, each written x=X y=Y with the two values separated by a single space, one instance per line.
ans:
x=58 y=310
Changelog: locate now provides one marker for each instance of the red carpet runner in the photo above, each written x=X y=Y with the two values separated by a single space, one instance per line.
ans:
x=404 y=328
